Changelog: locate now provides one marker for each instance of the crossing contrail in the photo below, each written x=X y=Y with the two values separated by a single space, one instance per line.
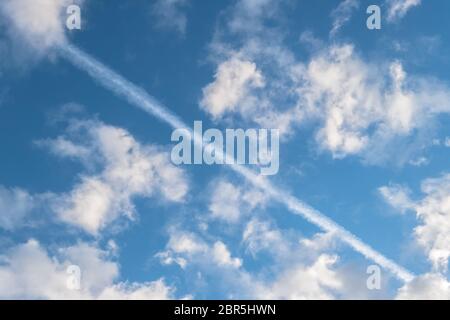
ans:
x=140 y=98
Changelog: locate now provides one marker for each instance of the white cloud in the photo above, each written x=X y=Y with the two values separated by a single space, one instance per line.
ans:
x=303 y=267
x=398 y=197
x=127 y=169
x=342 y=14
x=156 y=290
x=187 y=243
x=285 y=246
x=15 y=205
x=225 y=202
x=92 y=205
x=359 y=108
x=233 y=82
x=296 y=267
x=39 y=23
x=27 y=271
x=248 y=15
x=398 y=8
x=352 y=97
x=229 y=202
x=426 y=287
x=252 y=97
x=433 y=212
x=318 y=281
x=169 y=14
x=222 y=256
x=64 y=147
x=261 y=235
x=419 y=162
x=299 y=268
x=336 y=88
x=320 y=242
x=186 y=248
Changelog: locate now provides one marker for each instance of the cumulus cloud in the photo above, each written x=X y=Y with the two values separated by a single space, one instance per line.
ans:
x=186 y=248
x=364 y=111
x=229 y=202
x=357 y=107
x=222 y=256
x=430 y=286
x=287 y=246
x=297 y=267
x=155 y=290
x=260 y=235
x=318 y=281
x=398 y=8
x=120 y=169
x=433 y=213
x=38 y=24
x=28 y=271
x=302 y=268
x=234 y=80
x=169 y=14
x=243 y=84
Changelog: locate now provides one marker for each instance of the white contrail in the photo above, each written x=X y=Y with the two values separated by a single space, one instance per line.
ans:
x=141 y=99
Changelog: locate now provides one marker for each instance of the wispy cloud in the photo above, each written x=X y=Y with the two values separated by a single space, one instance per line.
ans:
x=299 y=268
x=342 y=14
x=15 y=205
x=397 y=9
x=169 y=14
x=230 y=203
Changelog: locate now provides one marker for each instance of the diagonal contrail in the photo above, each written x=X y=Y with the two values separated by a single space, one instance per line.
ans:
x=141 y=99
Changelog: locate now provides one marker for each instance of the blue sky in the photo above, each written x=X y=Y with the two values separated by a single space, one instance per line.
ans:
x=86 y=177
